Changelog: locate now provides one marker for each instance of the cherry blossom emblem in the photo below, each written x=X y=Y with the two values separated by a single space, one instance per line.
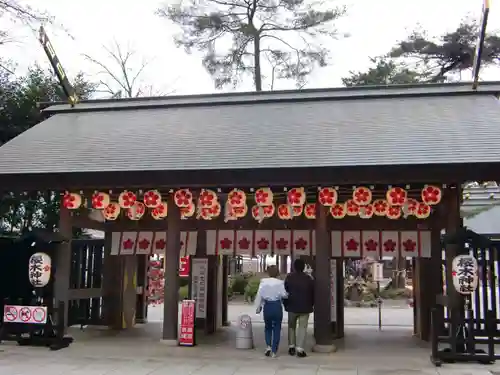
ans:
x=431 y=195
x=362 y=196
x=327 y=196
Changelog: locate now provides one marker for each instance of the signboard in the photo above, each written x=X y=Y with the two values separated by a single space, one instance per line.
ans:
x=25 y=314
x=186 y=337
x=199 y=274
x=184 y=267
x=333 y=289
x=378 y=271
x=464 y=271
x=476 y=65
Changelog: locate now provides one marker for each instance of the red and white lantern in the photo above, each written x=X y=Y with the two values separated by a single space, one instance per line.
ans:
x=152 y=199
x=100 y=200
x=297 y=210
x=72 y=201
x=396 y=196
x=127 y=199
x=338 y=210
x=285 y=212
x=237 y=198
x=111 y=212
x=394 y=212
x=183 y=198
x=362 y=196
x=137 y=211
x=423 y=211
x=187 y=211
x=409 y=207
x=240 y=212
x=264 y=197
x=431 y=195
x=39 y=269
x=207 y=198
x=327 y=196
x=352 y=209
x=296 y=197
x=380 y=207
x=160 y=212
x=310 y=211
x=366 y=212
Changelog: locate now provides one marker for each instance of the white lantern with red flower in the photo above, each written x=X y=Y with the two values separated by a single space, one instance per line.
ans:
x=152 y=199
x=380 y=207
x=111 y=212
x=338 y=210
x=207 y=199
x=137 y=211
x=352 y=209
x=127 y=199
x=327 y=196
x=409 y=207
x=296 y=197
x=100 y=200
x=423 y=211
x=393 y=212
x=431 y=195
x=396 y=196
x=72 y=201
x=237 y=198
x=297 y=210
x=285 y=211
x=209 y=213
x=263 y=197
x=240 y=212
x=258 y=213
x=366 y=212
x=269 y=210
x=362 y=196
x=160 y=212
x=310 y=211
x=188 y=211
x=183 y=198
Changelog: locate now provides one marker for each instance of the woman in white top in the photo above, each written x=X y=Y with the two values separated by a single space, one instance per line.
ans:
x=269 y=298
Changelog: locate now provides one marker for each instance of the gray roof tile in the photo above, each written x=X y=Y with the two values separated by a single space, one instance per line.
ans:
x=352 y=131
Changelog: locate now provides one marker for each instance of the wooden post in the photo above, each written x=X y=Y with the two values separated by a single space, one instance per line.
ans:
x=63 y=263
x=112 y=275
x=322 y=293
x=171 y=288
x=225 y=285
x=283 y=264
x=142 y=283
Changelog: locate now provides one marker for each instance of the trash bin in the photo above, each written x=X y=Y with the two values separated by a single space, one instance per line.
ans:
x=244 y=334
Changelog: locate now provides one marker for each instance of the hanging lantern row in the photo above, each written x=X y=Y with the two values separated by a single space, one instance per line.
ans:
x=396 y=205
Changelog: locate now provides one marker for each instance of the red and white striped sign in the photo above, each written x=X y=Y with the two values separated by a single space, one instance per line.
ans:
x=146 y=243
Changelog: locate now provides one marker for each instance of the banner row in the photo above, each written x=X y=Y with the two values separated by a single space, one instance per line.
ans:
x=350 y=244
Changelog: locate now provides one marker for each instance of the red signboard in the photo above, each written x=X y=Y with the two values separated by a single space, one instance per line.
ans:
x=186 y=337
x=184 y=267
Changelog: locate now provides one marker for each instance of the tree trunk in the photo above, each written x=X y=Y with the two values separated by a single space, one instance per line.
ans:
x=257 y=77
x=398 y=279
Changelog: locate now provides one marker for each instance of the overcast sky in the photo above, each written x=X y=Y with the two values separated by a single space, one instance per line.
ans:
x=374 y=27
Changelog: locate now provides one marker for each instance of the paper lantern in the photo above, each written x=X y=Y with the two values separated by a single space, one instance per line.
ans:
x=380 y=207
x=396 y=196
x=209 y=213
x=72 y=201
x=362 y=196
x=409 y=207
x=237 y=198
x=338 y=210
x=393 y=212
x=160 y=212
x=285 y=212
x=296 y=197
x=240 y=212
x=297 y=210
x=431 y=195
x=464 y=271
x=187 y=211
x=269 y=210
x=112 y=211
x=183 y=198
x=207 y=198
x=127 y=199
x=310 y=211
x=263 y=197
x=423 y=211
x=327 y=196
x=366 y=212
x=152 y=199
x=215 y=210
x=352 y=209
x=100 y=200
x=258 y=213
x=136 y=211
x=39 y=269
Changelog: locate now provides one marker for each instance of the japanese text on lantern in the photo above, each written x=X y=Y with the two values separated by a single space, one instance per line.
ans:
x=35 y=270
x=464 y=272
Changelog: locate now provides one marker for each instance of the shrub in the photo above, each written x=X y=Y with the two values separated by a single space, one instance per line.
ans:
x=183 y=281
x=238 y=284
x=395 y=293
x=183 y=292
x=251 y=289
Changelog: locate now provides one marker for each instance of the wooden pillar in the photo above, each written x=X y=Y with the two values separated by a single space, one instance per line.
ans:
x=111 y=284
x=142 y=285
x=225 y=285
x=129 y=291
x=171 y=288
x=63 y=264
x=283 y=264
x=211 y=321
x=322 y=309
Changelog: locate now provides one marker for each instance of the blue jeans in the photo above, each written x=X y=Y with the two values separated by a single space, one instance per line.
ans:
x=273 y=316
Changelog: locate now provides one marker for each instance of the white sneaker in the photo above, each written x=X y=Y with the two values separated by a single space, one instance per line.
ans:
x=274 y=355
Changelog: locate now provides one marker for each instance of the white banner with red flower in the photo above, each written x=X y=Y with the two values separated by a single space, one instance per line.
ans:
x=147 y=243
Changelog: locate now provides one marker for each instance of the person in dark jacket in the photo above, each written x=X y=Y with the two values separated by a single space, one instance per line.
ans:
x=299 y=305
